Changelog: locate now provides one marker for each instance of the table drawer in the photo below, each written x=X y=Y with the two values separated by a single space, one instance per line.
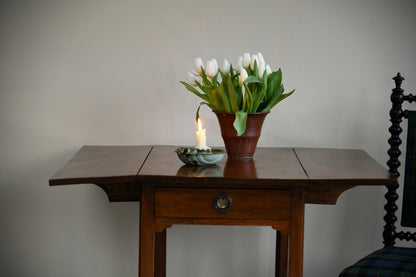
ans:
x=222 y=203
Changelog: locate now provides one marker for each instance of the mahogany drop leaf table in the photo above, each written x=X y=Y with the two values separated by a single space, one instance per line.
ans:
x=269 y=190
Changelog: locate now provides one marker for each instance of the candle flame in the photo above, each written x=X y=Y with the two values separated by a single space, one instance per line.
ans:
x=199 y=124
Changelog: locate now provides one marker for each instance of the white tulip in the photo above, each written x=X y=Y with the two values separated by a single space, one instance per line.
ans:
x=191 y=79
x=268 y=70
x=260 y=62
x=198 y=64
x=240 y=63
x=261 y=69
x=254 y=58
x=246 y=60
x=225 y=66
x=211 y=68
x=243 y=75
x=261 y=59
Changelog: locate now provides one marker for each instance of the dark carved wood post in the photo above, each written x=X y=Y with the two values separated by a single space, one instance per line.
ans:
x=396 y=115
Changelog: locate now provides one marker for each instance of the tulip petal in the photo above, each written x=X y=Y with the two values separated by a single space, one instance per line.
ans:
x=225 y=66
x=211 y=68
x=268 y=70
x=243 y=75
x=260 y=58
x=254 y=59
x=246 y=60
x=198 y=64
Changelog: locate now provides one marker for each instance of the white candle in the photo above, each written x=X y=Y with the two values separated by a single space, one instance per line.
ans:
x=201 y=139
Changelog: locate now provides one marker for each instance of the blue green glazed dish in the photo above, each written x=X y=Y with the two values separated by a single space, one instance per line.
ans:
x=194 y=156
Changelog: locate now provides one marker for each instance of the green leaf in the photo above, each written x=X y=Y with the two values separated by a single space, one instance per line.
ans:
x=199 y=107
x=231 y=93
x=279 y=76
x=201 y=87
x=270 y=102
x=214 y=101
x=205 y=80
x=281 y=97
x=219 y=100
x=214 y=79
x=274 y=80
x=255 y=69
x=197 y=111
x=248 y=99
x=276 y=100
x=222 y=93
x=265 y=81
x=274 y=87
x=258 y=100
x=240 y=122
x=249 y=71
x=232 y=72
x=238 y=91
x=251 y=79
x=193 y=90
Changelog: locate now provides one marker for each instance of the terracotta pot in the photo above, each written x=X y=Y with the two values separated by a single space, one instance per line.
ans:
x=245 y=145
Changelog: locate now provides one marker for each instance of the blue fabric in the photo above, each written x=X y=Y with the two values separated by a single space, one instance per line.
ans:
x=408 y=218
x=386 y=262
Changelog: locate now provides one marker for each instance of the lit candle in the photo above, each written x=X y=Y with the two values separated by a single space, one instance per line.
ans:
x=201 y=139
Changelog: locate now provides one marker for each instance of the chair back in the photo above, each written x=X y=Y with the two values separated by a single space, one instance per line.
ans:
x=408 y=218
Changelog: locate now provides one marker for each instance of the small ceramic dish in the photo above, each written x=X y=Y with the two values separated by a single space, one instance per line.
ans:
x=194 y=156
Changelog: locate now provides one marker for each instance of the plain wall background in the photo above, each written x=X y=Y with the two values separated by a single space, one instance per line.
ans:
x=107 y=73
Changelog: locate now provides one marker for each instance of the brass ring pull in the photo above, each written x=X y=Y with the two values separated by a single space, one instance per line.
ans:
x=222 y=202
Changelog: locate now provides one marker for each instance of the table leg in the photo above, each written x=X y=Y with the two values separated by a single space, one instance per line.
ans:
x=147 y=233
x=160 y=255
x=282 y=245
x=296 y=233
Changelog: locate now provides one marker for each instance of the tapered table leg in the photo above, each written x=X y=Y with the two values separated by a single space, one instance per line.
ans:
x=147 y=233
x=282 y=245
x=160 y=254
x=296 y=233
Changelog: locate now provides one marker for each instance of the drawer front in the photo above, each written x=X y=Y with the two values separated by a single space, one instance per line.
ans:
x=222 y=203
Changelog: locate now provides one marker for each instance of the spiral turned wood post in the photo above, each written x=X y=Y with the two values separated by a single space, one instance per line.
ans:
x=396 y=115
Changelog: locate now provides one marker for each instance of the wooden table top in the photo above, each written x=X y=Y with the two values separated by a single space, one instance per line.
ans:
x=325 y=173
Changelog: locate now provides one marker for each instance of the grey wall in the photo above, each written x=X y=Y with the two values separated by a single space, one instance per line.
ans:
x=107 y=73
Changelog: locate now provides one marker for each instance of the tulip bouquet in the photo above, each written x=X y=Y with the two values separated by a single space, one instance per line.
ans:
x=250 y=87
